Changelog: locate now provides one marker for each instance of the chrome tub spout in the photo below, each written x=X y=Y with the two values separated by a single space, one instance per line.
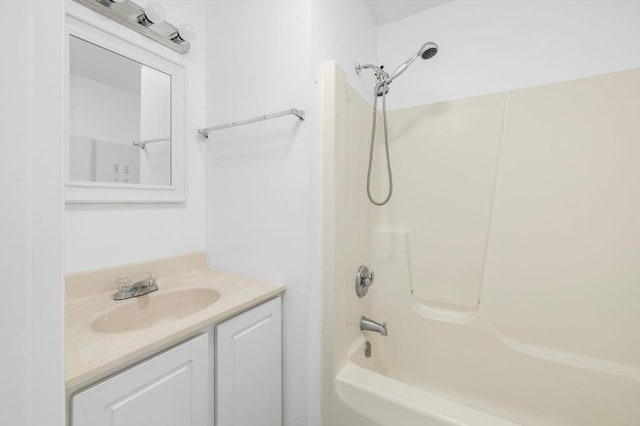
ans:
x=367 y=324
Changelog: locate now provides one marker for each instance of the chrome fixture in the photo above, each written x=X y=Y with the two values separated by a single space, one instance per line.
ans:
x=364 y=278
x=152 y=14
x=143 y=143
x=108 y=3
x=367 y=349
x=186 y=32
x=367 y=324
x=300 y=113
x=426 y=51
x=126 y=290
x=148 y=21
x=383 y=80
x=380 y=74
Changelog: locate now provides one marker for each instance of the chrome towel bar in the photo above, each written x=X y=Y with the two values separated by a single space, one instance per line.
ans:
x=143 y=143
x=293 y=111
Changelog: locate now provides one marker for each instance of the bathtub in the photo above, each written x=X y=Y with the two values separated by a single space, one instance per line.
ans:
x=383 y=401
x=414 y=380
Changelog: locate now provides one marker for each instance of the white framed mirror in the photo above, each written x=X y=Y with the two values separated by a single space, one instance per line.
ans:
x=125 y=120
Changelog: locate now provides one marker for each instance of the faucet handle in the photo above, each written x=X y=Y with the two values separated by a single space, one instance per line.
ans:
x=364 y=278
x=369 y=280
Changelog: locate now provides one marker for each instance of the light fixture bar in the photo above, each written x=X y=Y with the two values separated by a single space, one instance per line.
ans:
x=127 y=12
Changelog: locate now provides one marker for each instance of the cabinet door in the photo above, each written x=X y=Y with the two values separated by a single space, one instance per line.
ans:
x=169 y=389
x=248 y=368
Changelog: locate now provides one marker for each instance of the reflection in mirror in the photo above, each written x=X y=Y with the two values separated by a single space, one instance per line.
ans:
x=120 y=118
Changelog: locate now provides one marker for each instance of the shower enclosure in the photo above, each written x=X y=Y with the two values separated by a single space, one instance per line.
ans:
x=504 y=263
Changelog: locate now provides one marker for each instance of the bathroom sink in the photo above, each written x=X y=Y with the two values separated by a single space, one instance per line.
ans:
x=154 y=309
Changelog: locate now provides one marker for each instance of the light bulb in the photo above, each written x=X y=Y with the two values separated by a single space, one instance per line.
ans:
x=155 y=13
x=187 y=32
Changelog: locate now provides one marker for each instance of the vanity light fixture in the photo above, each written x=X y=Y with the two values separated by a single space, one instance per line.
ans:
x=153 y=14
x=148 y=21
x=186 y=32
x=108 y=3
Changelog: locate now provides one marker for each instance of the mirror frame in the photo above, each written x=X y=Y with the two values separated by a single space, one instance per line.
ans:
x=95 y=29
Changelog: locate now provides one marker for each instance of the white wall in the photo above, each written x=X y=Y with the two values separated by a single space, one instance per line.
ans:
x=31 y=169
x=81 y=153
x=258 y=180
x=103 y=121
x=491 y=46
x=345 y=32
x=100 y=235
x=263 y=181
x=104 y=112
x=155 y=122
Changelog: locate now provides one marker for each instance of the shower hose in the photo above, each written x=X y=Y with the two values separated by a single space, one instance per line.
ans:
x=381 y=85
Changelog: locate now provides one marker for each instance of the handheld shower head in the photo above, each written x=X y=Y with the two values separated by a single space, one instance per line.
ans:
x=427 y=51
x=383 y=80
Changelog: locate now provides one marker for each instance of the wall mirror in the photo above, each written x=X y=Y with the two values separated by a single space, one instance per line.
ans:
x=124 y=124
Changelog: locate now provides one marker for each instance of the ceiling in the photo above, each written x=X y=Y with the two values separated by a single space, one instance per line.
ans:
x=385 y=11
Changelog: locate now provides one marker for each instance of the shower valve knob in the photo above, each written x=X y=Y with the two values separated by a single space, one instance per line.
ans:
x=364 y=278
x=369 y=280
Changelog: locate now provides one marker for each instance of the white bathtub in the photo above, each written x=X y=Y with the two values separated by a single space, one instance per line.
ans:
x=388 y=402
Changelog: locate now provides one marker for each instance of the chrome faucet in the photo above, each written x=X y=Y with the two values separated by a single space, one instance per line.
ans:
x=139 y=288
x=367 y=324
x=364 y=278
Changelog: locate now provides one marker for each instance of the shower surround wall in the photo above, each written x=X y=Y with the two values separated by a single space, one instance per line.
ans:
x=506 y=262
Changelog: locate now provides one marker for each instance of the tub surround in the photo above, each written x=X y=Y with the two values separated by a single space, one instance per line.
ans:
x=510 y=210
x=91 y=355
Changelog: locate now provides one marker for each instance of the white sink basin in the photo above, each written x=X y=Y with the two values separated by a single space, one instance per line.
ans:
x=154 y=309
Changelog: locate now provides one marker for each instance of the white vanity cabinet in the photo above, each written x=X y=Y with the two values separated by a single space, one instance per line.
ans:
x=248 y=368
x=171 y=388
x=176 y=387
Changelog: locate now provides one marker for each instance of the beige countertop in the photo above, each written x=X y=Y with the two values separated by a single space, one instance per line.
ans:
x=91 y=354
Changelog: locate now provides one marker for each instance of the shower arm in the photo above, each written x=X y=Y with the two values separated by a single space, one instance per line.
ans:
x=359 y=68
x=384 y=77
x=380 y=73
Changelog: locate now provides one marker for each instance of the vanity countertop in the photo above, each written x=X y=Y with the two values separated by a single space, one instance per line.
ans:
x=91 y=354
